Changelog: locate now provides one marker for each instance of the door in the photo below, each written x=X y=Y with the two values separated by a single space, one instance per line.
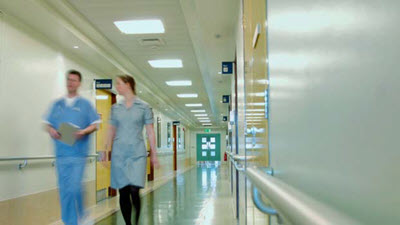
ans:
x=104 y=100
x=208 y=147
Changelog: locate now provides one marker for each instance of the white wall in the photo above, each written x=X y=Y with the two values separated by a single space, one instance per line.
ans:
x=31 y=77
x=334 y=104
x=164 y=142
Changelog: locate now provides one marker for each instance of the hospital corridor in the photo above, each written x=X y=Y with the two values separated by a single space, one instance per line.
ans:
x=199 y=112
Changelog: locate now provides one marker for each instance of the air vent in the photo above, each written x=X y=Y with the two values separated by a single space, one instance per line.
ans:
x=151 y=42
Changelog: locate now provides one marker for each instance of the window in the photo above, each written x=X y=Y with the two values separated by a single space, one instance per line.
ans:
x=179 y=138
x=158 y=132
x=168 y=134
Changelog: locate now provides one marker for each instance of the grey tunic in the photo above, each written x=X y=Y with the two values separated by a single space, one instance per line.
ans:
x=129 y=155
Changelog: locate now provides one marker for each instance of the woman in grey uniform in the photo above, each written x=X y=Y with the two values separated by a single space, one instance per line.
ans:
x=129 y=155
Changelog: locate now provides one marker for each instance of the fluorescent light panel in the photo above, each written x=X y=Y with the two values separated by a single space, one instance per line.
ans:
x=203 y=118
x=179 y=83
x=187 y=95
x=200 y=115
x=198 y=110
x=140 y=26
x=205 y=121
x=207 y=124
x=257 y=103
x=255 y=110
x=258 y=94
x=166 y=63
x=194 y=105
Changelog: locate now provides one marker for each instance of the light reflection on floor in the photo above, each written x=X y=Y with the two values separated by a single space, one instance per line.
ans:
x=199 y=196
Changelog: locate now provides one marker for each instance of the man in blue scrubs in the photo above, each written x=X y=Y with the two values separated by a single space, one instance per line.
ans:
x=71 y=159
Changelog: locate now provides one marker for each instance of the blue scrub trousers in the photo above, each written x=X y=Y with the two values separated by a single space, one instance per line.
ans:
x=70 y=174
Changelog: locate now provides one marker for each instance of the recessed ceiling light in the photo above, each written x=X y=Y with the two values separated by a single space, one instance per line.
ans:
x=200 y=115
x=187 y=95
x=179 y=83
x=76 y=46
x=258 y=94
x=255 y=110
x=166 y=63
x=255 y=114
x=194 y=105
x=140 y=26
x=257 y=103
x=203 y=118
x=198 y=110
x=205 y=121
x=207 y=124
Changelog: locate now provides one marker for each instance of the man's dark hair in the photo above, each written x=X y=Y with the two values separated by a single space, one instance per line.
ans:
x=75 y=72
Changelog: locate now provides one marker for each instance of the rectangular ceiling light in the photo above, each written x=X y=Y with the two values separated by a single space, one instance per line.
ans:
x=187 y=95
x=254 y=117
x=194 y=105
x=205 y=121
x=257 y=103
x=179 y=83
x=198 y=111
x=258 y=94
x=203 y=118
x=166 y=63
x=207 y=124
x=140 y=26
x=255 y=114
x=200 y=114
x=255 y=110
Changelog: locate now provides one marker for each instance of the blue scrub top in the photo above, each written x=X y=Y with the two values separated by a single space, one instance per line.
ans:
x=81 y=114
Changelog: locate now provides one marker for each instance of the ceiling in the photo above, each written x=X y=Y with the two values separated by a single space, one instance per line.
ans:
x=200 y=32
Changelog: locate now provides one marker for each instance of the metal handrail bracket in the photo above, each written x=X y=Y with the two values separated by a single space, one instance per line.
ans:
x=293 y=205
x=237 y=167
x=259 y=203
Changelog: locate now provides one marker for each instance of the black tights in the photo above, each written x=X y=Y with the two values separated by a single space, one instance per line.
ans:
x=125 y=195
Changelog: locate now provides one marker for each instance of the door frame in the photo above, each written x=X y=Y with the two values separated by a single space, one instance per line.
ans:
x=174 y=146
x=110 y=191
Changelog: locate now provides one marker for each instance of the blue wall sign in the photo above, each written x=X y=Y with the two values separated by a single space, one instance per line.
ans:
x=227 y=67
x=103 y=83
x=225 y=98
x=177 y=123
